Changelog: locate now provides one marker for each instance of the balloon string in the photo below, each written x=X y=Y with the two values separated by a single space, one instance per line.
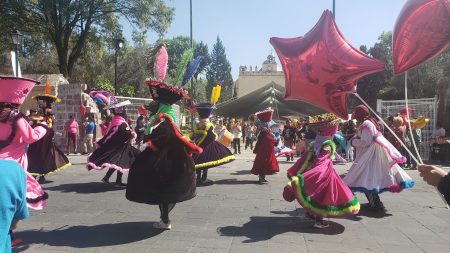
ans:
x=412 y=137
x=409 y=122
x=389 y=128
x=398 y=139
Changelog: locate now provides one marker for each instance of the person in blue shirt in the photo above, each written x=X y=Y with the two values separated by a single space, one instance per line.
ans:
x=89 y=137
x=13 y=204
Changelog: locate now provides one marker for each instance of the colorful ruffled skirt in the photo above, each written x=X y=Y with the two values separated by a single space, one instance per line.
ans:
x=374 y=171
x=322 y=192
x=214 y=154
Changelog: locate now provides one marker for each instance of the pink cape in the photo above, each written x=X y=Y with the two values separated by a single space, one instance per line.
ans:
x=16 y=150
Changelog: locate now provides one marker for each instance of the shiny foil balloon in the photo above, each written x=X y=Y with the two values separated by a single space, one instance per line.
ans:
x=321 y=68
x=421 y=32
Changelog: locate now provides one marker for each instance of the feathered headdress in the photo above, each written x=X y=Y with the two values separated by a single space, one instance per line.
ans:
x=160 y=64
x=191 y=70
x=215 y=94
x=182 y=65
x=47 y=95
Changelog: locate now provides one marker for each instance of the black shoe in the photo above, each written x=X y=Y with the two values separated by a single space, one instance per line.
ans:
x=41 y=179
x=105 y=180
x=120 y=185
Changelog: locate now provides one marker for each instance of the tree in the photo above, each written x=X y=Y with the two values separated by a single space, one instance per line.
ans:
x=219 y=71
x=68 y=23
x=201 y=49
x=175 y=49
x=103 y=83
x=372 y=84
x=126 y=90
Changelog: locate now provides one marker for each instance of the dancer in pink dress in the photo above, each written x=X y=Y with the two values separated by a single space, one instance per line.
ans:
x=314 y=182
x=16 y=133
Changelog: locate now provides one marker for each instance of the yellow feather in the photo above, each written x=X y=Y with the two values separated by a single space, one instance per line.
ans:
x=216 y=94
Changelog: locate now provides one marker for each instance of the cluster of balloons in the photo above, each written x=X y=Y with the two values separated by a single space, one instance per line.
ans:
x=322 y=68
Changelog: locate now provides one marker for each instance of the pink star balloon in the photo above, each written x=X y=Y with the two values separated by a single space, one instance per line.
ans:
x=321 y=68
x=421 y=32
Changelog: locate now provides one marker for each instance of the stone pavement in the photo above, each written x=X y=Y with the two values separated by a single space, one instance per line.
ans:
x=233 y=215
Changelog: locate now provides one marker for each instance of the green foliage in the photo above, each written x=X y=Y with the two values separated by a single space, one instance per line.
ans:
x=372 y=84
x=103 y=83
x=201 y=49
x=388 y=93
x=127 y=90
x=67 y=24
x=200 y=90
x=175 y=49
x=219 y=71
x=423 y=80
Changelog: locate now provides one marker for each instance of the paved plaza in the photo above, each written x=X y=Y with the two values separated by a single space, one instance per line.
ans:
x=234 y=214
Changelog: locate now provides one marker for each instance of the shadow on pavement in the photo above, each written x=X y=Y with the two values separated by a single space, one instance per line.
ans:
x=46 y=182
x=20 y=248
x=287 y=162
x=86 y=188
x=264 y=228
x=241 y=172
x=235 y=181
x=91 y=236
x=298 y=212
x=364 y=211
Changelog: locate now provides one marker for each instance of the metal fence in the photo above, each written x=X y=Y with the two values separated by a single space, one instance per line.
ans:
x=426 y=107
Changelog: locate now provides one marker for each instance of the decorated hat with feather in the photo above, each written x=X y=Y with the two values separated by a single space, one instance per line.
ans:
x=159 y=90
x=47 y=96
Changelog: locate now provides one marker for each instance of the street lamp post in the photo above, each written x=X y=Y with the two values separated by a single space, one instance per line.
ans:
x=334 y=9
x=17 y=37
x=118 y=44
x=193 y=96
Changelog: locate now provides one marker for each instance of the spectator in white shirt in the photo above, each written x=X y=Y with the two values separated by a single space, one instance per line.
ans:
x=236 y=130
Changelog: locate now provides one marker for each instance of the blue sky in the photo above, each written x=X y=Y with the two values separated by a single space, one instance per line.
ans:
x=245 y=26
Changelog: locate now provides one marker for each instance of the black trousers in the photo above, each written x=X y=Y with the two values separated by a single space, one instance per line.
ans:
x=165 y=209
x=110 y=172
x=374 y=199
x=237 y=145
x=249 y=143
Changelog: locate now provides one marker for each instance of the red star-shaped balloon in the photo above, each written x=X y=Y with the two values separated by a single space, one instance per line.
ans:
x=321 y=68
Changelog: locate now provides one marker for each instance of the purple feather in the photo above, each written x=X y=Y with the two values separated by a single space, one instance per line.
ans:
x=192 y=69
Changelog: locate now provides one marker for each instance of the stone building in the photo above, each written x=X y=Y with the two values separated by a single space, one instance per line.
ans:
x=72 y=96
x=251 y=79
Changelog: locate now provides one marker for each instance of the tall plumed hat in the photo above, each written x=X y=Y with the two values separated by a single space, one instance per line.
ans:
x=204 y=110
x=15 y=89
x=165 y=93
x=47 y=96
x=327 y=124
x=265 y=116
